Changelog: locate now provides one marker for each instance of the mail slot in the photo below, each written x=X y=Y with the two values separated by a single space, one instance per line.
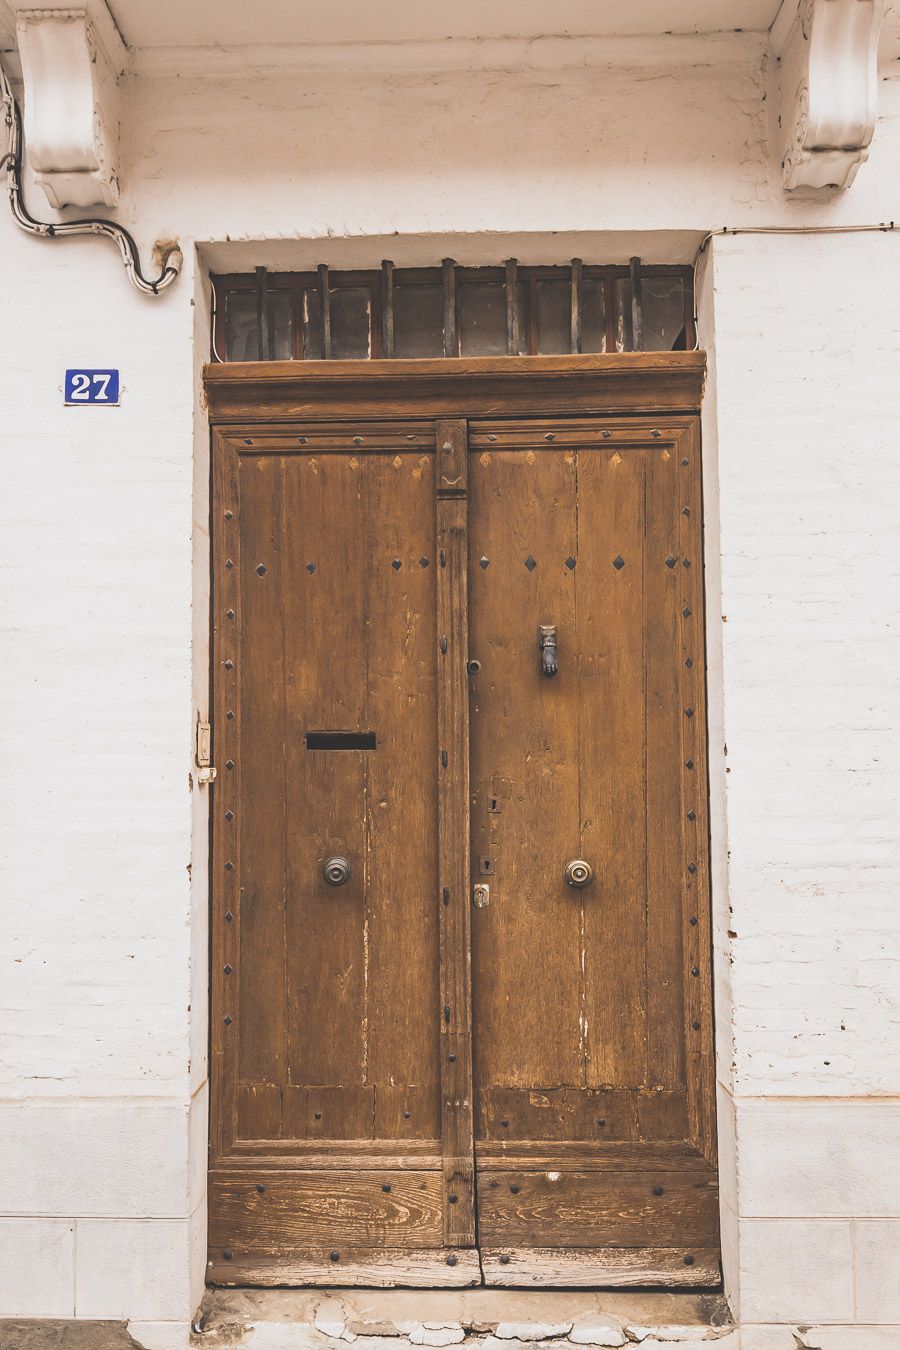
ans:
x=340 y=740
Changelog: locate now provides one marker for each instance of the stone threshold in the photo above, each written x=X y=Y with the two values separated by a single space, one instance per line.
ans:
x=397 y=1319
x=480 y=1319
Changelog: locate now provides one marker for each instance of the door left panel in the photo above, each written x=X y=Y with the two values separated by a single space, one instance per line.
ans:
x=326 y=1154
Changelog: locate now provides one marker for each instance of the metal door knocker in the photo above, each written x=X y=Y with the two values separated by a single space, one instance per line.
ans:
x=336 y=871
x=547 y=644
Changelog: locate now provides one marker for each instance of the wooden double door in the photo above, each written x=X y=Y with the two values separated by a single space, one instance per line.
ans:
x=461 y=1011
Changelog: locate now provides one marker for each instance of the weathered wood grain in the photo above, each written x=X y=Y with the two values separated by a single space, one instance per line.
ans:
x=324 y=617
x=343 y=1019
x=456 y=387
x=527 y=941
x=401 y=675
x=585 y=1209
x=619 y=1155
x=696 y=897
x=612 y=622
x=337 y=1155
x=574 y=1113
x=261 y=1023
x=602 y=1267
x=666 y=862
x=451 y=642
x=388 y=1268
x=225 y=605
x=305 y=1209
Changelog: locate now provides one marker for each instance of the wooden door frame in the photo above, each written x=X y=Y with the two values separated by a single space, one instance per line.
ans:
x=625 y=382
x=244 y=397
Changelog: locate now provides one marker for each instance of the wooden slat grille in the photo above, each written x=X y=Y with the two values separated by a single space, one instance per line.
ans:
x=600 y=309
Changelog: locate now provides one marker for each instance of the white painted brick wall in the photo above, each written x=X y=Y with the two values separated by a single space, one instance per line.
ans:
x=102 y=995
x=95 y=728
x=807 y=506
x=809 y=481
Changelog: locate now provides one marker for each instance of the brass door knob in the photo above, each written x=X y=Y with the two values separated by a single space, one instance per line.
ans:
x=578 y=873
x=336 y=871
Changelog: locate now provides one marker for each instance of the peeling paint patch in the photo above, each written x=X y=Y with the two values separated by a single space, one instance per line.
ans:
x=532 y=1331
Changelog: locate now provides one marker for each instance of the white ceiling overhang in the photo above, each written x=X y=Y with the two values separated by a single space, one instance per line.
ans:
x=72 y=58
x=213 y=23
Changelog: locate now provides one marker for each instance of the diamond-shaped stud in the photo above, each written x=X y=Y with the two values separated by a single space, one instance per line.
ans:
x=618 y=562
x=484 y=562
x=670 y=561
x=396 y=564
x=261 y=570
x=310 y=567
x=423 y=562
x=530 y=563
x=570 y=563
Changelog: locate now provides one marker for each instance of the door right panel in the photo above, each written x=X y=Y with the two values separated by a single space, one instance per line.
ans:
x=592 y=1007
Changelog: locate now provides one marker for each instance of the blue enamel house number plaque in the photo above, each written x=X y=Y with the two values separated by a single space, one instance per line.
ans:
x=92 y=386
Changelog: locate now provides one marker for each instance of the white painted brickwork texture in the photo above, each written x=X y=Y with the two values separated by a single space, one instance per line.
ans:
x=807 y=500
x=102 y=996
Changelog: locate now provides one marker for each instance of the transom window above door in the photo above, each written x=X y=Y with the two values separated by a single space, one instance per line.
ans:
x=452 y=311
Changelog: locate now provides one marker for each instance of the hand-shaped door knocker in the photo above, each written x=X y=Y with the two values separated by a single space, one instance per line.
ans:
x=547 y=644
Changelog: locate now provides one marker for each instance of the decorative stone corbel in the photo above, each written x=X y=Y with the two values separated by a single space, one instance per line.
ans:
x=71 y=79
x=828 y=88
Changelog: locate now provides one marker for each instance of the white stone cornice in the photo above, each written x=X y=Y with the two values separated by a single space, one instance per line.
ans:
x=71 y=63
x=828 y=88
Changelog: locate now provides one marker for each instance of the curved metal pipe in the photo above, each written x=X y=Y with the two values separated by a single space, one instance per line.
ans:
x=91 y=225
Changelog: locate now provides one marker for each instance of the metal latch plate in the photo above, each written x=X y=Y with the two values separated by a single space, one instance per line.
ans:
x=204 y=746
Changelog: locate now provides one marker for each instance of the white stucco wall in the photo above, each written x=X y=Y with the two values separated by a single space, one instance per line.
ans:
x=628 y=148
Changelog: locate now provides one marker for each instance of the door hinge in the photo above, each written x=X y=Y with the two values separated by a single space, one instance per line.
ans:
x=206 y=772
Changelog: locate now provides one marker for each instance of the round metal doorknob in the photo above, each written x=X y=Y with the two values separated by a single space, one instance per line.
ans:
x=336 y=871
x=578 y=873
